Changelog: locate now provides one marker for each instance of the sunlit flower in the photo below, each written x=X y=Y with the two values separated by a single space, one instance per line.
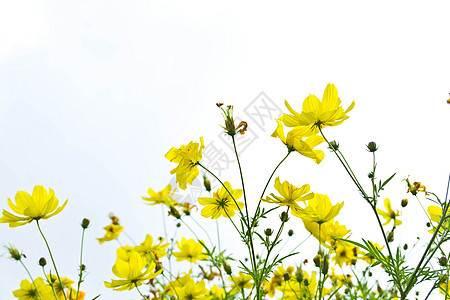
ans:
x=217 y=292
x=243 y=281
x=302 y=140
x=302 y=290
x=58 y=286
x=187 y=157
x=28 y=291
x=162 y=197
x=112 y=233
x=389 y=214
x=315 y=113
x=278 y=278
x=190 y=250
x=346 y=253
x=289 y=195
x=124 y=253
x=192 y=291
x=72 y=295
x=132 y=273
x=415 y=187
x=329 y=232
x=319 y=210
x=40 y=205
x=435 y=213
x=222 y=203
x=150 y=250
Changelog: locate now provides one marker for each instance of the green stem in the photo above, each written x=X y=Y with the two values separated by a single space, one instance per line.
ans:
x=53 y=288
x=51 y=256
x=143 y=297
x=81 y=263
x=29 y=274
x=202 y=228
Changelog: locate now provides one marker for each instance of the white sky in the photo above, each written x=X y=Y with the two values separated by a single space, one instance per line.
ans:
x=94 y=93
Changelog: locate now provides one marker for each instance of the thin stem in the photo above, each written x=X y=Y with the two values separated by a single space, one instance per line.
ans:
x=51 y=256
x=204 y=230
x=32 y=280
x=81 y=263
x=53 y=288
x=218 y=235
x=143 y=297
x=129 y=237
x=193 y=232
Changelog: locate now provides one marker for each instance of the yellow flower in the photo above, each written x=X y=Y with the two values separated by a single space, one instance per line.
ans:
x=346 y=253
x=299 y=290
x=277 y=279
x=243 y=281
x=27 y=290
x=112 y=233
x=367 y=257
x=72 y=295
x=162 y=197
x=319 y=210
x=415 y=187
x=222 y=203
x=327 y=112
x=132 y=273
x=152 y=252
x=389 y=214
x=435 y=213
x=329 y=232
x=66 y=283
x=192 y=291
x=443 y=288
x=40 y=205
x=217 y=292
x=187 y=158
x=190 y=250
x=300 y=139
x=290 y=195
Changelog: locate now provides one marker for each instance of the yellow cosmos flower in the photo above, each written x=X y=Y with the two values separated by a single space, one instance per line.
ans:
x=290 y=195
x=28 y=291
x=178 y=283
x=217 y=292
x=112 y=233
x=222 y=203
x=435 y=213
x=329 y=232
x=346 y=253
x=327 y=112
x=319 y=210
x=132 y=273
x=60 y=288
x=243 y=281
x=298 y=290
x=40 y=205
x=187 y=157
x=301 y=139
x=389 y=214
x=72 y=295
x=190 y=250
x=150 y=250
x=277 y=279
x=193 y=291
x=162 y=197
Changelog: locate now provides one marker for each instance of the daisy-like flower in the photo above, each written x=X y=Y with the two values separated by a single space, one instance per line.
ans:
x=60 y=288
x=300 y=290
x=435 y=213
x=193 y=291
x=327 y=112
x=302 y=140
x=222 y=203
x=319 y=210
x=329 y=232
x=243 y=281
x=112 y=233
x=28 y=290
x=162 y=197
x=290 y=194
x=190 y=250
x=40 y=205
x=132 y=273
x=346 y=253
x=150 y=250
x=187 y=157
x=389 y=214
x=276 y=282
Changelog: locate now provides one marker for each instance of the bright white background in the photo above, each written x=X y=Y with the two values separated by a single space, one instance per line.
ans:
x=94 y=93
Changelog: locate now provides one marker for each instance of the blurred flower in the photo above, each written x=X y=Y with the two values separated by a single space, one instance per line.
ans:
x=150 y=250
x=28 y=290
x=112 y=233
x=367 y=257
x=132 y=273
x=346 y=253
x=319 y=210
x=435 y=213
x=389 y=214
x=415 y=187
x=301 y=139
x=187 y=158
x=40 y=205
x=222 y=203
x=59 y=288
x=193 y=291
x=243 y=281
x=329 y=232
x=162 y=197
x=72 y=295
x=190 y=250
x=316 y=113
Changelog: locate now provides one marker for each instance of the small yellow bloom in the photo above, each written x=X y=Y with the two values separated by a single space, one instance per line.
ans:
x=299 y=290
x=435 y=213
x=277 y=279
x=187 y=158
x=72 y=295
x=389 y=214
x=150 y=250
x=222 y=203
x=60 y=287
x=302 y=140
x=327 y=112
x=217 y=292
x=40 y=205
x=367 y=257
x=415 y=187
x=346 y=253
x=329 y=232
x=319 y=210
x=243 y=281
x=190 y=250
x=290 y=195
x=132 y=273
x=193 y=291
x=162 y=197
x=112 y=233
x=27 y=290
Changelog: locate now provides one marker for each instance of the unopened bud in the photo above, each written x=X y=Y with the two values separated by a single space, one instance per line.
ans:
x=404 y=202
x=443 y=261
x=42 y=262
x=372 y=147
x=428 y=224
x=325 y=265
x=83 y=267
x=206 y=183
x=317 y=260
x=227 y=268
x=405 y=247
x=174 y=212
x=286 y=276
x=290 y=232
x=333 y=146
x=284 y=217
x=178 y=225
x=299 y=274
x=306 y=281
x=268 y=232
x=390 y=237
x=85 y=223
x=15 y=254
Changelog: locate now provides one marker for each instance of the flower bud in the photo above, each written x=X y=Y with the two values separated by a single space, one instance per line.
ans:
x=299 y=274
x=174 y=212
x=290 y=232
x=306 y=281
x=268 y=232
x=333 y=146
x=227 y=268
x=325 y=265
x=286 y=276
x=372 y=147
x=15 y=254
x=317 y=260
x=206 y=183
x=370 y=175
x=178 y=225
x=443 y=261
x=428 y=224
x=404 y=202
x=284 y=217
x=390 y=237
x=405 y=247
x=83 y=267
x=85 y=223
x=42 y=262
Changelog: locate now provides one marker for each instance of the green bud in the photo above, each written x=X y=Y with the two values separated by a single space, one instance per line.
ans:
x=284 y=217
x=405 y=247
x=390 y=237
x=15 y=254
x=227 y=268
x=443 y=261
x=372 y=147
x=333 y=146
x=286 y=276
x=206 y=183
x=299 y=274
x=317 y=260
x=290 y=232
x=404 y=202
x=85 y=223
x=42 y=262
x=268 y=232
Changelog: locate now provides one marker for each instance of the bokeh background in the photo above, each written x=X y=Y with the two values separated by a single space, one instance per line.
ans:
x=94 y=93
